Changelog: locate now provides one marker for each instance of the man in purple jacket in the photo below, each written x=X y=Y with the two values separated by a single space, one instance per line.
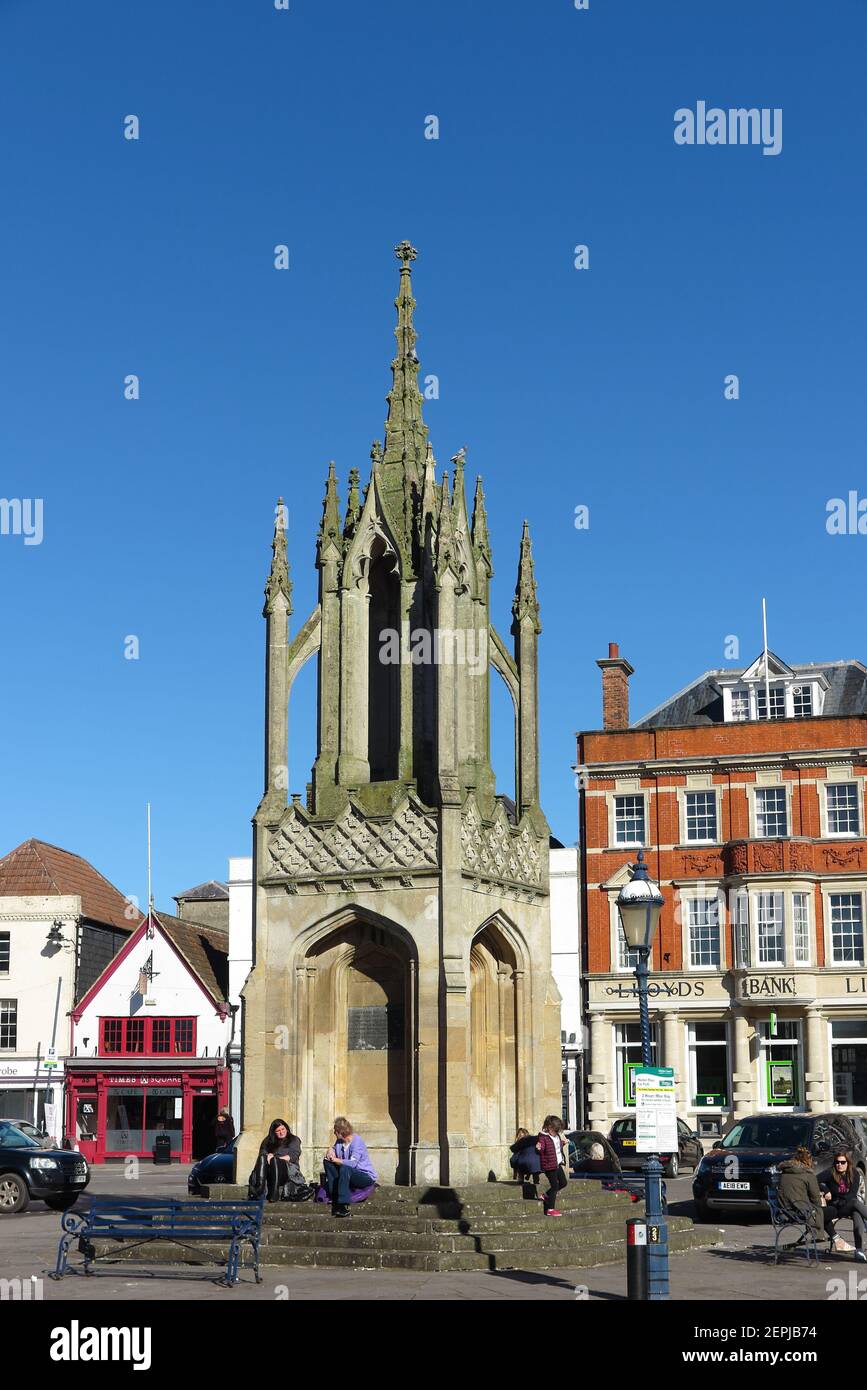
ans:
x=347 y=1166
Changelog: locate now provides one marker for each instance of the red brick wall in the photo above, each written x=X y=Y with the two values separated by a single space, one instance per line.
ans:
x=631 y=747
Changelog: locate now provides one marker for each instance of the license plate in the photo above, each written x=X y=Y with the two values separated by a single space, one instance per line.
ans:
x=628 y=1143
x=79 y=1173
x=733 y=1186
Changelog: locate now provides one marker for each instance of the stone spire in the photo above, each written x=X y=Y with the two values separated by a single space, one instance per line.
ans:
x=405 y=431
x=429 y=485
x=329 y=528
x=278 y=581
x=353 y=506
x=525 y=603
x=445 y=552
x=481 y=540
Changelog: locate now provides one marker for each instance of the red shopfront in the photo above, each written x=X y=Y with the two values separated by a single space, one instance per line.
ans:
x=118 y=1112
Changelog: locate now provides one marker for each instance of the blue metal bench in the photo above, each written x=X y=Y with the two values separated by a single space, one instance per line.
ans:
x=786 y=1218
x=148 y=1220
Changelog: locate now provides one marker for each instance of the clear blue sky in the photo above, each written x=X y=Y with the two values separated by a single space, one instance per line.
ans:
x=601 y=387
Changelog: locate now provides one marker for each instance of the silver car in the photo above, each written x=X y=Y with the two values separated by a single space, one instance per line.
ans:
x=38 y=1136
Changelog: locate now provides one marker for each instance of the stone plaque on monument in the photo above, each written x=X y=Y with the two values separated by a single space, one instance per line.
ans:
x=375 y=1028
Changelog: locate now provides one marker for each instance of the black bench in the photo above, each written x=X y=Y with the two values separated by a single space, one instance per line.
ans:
x=148 y=1220
x=789 y=1218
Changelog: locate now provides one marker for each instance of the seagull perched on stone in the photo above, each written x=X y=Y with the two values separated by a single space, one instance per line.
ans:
x=460 y=456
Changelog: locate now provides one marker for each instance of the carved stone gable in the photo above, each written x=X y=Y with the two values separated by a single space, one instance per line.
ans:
x=304 y=848
x=499 y=850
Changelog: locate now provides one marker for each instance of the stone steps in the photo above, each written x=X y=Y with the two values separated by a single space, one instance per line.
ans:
x=562 y=1255
x=485 y=1226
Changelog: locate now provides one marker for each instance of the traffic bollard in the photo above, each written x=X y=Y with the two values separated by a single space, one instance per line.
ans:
x=636 y=1259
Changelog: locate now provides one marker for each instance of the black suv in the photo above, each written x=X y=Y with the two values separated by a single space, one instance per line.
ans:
x=690 y=1149
x=734 y=1175
x=27 y=1172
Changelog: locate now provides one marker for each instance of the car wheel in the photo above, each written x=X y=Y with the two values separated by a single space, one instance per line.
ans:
x=61 y=1203
x=14 y=1195
x=672 y=1167
x=862 y=1186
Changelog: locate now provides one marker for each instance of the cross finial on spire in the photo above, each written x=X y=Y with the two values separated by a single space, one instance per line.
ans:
x=405 y=252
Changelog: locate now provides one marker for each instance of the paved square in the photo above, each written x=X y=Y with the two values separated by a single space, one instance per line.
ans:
x=739 y=1270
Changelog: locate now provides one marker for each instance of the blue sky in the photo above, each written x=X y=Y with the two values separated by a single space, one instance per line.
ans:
x=601 y=387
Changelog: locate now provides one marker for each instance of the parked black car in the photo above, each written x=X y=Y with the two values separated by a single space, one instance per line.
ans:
x=215 y=1169
x=734 y=1175
x=30 y=1173
x=690 y=1150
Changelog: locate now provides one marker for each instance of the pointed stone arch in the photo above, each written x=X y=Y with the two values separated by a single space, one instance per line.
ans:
x=356 y=984
x=497 y=962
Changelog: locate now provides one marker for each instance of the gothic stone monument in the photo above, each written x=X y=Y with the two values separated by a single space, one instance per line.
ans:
x=402 y=969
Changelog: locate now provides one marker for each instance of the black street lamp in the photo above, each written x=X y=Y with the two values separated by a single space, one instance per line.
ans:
x=639 y=903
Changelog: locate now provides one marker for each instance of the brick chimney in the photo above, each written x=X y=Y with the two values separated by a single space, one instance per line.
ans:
x=616 y=671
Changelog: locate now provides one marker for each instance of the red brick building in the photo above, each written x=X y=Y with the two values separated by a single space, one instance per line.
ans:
x=754 y=828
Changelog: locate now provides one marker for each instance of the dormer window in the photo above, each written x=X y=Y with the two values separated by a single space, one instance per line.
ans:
x=783 y=692
x=777 y=693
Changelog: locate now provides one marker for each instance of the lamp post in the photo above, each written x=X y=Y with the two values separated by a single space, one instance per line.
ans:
x=639 y=903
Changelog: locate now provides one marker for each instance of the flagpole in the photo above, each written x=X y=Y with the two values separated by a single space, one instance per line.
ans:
x=149 y=888
x=767 y=678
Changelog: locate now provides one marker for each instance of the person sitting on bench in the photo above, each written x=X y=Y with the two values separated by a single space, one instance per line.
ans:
x=840 y=1187
x=799 y=1190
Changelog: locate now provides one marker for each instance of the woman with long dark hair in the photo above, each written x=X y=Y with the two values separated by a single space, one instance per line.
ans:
x=277 y=1174
x=841 y=1186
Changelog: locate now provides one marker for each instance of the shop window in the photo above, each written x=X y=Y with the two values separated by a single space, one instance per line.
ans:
x=849 y=1061
x=135 y=1035
x=709 y=1065
x=124 y=1117
x=163 y=1115
x=628 y=1050
x=780 y=1046
x=184 y=1035
x=162 y=1035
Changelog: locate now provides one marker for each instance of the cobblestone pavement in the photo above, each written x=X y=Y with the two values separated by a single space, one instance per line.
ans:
x=738 y=1270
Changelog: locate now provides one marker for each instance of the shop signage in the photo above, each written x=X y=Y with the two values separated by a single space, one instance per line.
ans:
x=668 y=989
x=856 y=984
x=760 y=986
x=157 y=1080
